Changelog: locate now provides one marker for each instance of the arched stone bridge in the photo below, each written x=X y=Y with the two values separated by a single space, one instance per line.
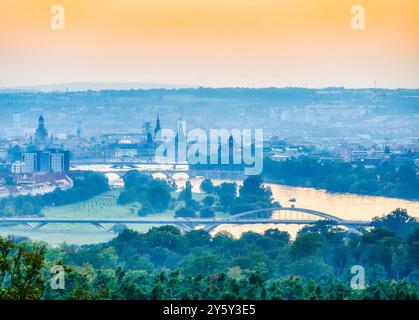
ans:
x=171 y=173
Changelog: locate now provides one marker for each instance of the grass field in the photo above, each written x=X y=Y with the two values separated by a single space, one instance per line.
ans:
x=102 y=206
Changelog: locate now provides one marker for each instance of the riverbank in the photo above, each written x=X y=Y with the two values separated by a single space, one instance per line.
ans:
x=384 y=179
x=276 y=182
x=343 y=205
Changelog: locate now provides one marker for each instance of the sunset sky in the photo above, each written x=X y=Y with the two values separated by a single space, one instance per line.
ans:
x=254 y=43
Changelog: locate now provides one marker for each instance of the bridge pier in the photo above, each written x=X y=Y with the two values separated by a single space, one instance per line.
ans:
x=30 y=226
x=101 y=226
x=353 y=230
x=210 y=227
x=185 y=227
x=40 y=225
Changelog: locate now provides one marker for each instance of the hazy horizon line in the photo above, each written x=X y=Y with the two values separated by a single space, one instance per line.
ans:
x=119 y=86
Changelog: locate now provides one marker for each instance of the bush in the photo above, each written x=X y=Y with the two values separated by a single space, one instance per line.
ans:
x=126 y=197
x=207 y=213
x=158 y=195
x=207 y=186
x=192 y=204
x=208 y=201
x=145 y=210
x=185 y=212
x=118 y=228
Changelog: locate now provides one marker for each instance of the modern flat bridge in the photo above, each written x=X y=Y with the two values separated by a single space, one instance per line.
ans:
x=274 y=215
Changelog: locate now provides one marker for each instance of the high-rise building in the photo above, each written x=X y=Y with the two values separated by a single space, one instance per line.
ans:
x=31 y=161
x=45 y=161
x=57 y=162
x=16 y=121
x=66 y=154
x=15 y=131
x=53 y=160
x=18 y=167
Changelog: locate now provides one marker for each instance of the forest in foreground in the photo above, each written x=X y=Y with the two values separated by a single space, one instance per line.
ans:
x=164 y=263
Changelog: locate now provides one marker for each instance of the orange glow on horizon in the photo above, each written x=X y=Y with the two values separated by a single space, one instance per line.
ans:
x=224 y=43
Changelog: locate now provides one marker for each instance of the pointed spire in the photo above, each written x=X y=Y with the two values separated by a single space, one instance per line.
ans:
x=41 y=121
x=157 y=128
x=180 y=126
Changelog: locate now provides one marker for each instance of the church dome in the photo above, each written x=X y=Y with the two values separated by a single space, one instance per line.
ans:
x=126 y=141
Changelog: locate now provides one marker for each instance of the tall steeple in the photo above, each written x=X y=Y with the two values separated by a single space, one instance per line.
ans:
x=157 y=128
x=180 y=128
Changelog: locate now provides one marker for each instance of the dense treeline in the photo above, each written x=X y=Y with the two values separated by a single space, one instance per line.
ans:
x=163 y=263
x=86 y=185
x=383 y=180
x=227 y=198
x=252 y=195
x=86 y=284
x=153 y=194
x=156 y=196
x=388 y=251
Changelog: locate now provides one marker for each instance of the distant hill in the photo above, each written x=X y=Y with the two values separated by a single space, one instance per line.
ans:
x=94 y=86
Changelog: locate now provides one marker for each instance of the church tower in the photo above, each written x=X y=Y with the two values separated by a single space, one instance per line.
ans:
x=41 y=133
x=157 y=127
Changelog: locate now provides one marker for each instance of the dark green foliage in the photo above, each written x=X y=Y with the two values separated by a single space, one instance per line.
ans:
x=253 y=187
x=126 y=197
x=306 y=245
x=145 y=210
x=192 y=204
x=413 y=250
x=208 y=201
x=207 y=213
x=227 y=194
x=252 y=195
x=21 y=266
x=158 y=195
x=86 y=185
x=335 y=176
x=164 y=263
x=151 y=193
x=185 y=212
x=207 y=187
x=397 y=221
x=186 y=193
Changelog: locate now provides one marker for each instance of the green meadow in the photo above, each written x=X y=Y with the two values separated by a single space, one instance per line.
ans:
x=102 y=206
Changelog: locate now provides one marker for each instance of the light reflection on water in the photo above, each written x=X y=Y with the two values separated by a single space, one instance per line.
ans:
x=346 y=206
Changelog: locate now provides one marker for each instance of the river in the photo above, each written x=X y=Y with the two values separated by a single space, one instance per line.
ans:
x=345 y=206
